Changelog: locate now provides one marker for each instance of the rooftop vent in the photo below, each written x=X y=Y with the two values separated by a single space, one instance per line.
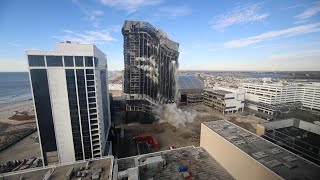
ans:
x=240 y=142
x=259 y=155
x=275 y=151
x=289 y=158
x=273 y=163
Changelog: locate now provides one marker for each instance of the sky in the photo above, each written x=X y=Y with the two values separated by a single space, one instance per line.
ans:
x=212 y=35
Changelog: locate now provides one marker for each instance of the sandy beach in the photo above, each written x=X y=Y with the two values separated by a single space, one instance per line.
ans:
x=16 y=121
x=7 y=110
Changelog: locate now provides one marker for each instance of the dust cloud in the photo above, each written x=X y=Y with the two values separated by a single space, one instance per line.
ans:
x=170 y=113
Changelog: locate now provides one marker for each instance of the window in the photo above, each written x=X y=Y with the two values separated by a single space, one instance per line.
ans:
x=90 y=77
x=96 y=62
x=89 y=71
x=54 y=61
x=68 y=61
x=35 y=60
x=93 y=116
x=92 y=100
x=90 y=83
x=79 y=61
x=92 y=94
x=91 y=89
x=89 y=61
x=92 y=105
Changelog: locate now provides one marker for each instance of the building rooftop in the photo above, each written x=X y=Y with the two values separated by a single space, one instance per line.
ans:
x=220 y=92
x=189 y=82
x=277 y=159
x=97 y=167
x=304 y=135
x=199 y=165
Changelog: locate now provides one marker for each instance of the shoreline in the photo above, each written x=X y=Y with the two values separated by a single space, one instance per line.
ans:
x=8 y=109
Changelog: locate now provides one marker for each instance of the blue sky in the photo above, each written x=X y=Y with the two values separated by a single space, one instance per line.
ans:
x=213 y=35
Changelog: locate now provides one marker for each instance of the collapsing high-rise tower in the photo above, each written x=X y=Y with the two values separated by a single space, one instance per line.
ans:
x=150 y=65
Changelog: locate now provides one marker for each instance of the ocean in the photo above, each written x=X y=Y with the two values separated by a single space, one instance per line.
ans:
x=14 y=86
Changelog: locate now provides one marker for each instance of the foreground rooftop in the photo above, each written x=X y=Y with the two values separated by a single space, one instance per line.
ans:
x=98 y=168
x=200 y=165
x=273 y=157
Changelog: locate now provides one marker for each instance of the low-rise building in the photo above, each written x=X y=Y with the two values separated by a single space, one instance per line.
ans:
x=295 y=135
x=224 y=100
x=190 y=90
x=274 y=98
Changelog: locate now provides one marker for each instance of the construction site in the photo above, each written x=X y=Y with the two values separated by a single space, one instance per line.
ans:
x=127 y=136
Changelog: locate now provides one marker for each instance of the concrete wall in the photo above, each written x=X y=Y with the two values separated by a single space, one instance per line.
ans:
x=279 y=124
x=234 y=102
x=309 y=127
x=235 y=161
x=61 y=114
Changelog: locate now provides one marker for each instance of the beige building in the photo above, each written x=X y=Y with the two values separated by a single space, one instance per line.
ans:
x=247 y=156
x=223 y=100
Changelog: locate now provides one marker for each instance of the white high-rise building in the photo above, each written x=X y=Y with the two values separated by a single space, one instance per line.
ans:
x=71 y=99
x=277 y=94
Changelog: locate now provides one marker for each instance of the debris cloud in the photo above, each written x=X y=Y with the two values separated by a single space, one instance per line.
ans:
x=170 y=113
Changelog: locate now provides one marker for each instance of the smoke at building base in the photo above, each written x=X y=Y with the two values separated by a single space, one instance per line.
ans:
x=171 y=114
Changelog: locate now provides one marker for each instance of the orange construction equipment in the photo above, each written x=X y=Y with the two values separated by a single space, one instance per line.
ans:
x=149 y=138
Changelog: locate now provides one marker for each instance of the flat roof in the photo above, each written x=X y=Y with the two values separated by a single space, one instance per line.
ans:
x=199 y=163
x=301 y=134
x=277 y=159
x=60 y=171
x=220 y=92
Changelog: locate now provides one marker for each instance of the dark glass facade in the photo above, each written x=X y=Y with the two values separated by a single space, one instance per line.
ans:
x=84 y=113
x=36 y=60
x=42 y=101
x=103 y=75
x=55 y=61
x=89 y=61
x=74 y=113
x=78 y=61
x=68 y=61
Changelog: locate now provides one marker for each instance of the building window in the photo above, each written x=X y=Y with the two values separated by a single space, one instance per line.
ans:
x=89 y=61
x=91 y=88
x=92 y=105
x=54 y=61
x=68 y=61
x=96 y=62
x=89 y=71
x=35 y=60
x=79 y=61
x=90 y=83
x=90 y=77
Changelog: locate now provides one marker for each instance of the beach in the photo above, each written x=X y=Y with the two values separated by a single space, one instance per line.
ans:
x=16 y=122
x=7 y=110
